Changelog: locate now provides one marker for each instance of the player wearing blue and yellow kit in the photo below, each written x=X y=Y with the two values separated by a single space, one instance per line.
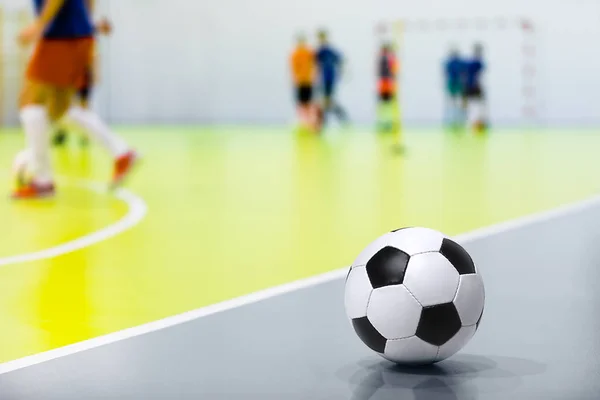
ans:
x=329 y=62
x=454 y=73
x=474 y=95
x=63 y=35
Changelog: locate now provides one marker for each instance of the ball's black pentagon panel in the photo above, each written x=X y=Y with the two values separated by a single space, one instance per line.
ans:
x=458 y=257
x=387 y=267
x=369 y=335
x=438 y=324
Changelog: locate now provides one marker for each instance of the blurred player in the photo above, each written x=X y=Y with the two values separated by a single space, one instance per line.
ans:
x=474 y=95
x=387 y=68
x=329 y=62
x=83 y=94
x=63 y=35
x=454 y=69
x=303 y=67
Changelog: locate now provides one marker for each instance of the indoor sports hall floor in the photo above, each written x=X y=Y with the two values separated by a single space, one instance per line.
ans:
x=216 y=214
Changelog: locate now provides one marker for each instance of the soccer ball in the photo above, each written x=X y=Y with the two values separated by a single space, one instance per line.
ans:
x=21 y=168
x=414 y=296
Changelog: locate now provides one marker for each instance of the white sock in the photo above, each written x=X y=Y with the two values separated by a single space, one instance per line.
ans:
x=36 y=125
x=90 y=122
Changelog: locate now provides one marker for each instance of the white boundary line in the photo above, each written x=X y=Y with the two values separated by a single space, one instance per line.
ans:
x=137 y=212
x=269 y=293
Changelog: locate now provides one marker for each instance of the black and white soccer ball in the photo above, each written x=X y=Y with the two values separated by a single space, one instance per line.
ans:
x=414 y=296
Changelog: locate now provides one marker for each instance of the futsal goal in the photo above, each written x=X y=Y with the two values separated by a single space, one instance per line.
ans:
x=510 y=53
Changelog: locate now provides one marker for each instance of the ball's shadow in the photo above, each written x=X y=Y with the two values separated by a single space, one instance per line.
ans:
x=457 y=378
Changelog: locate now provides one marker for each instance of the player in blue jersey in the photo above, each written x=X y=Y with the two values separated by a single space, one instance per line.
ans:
x=63 y=36
x=454 y=73
x=329 y=63
x=474 y=94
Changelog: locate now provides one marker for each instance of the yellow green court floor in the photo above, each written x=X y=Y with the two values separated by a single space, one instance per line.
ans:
x=216 y=213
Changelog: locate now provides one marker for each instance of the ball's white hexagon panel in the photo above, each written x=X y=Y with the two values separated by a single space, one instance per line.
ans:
x=431 y=279
x=416 y=240
x=456 y=343
x=371 y=249
x=470 y=298
x=410 y=350
x=394 y=312
x=357 y=292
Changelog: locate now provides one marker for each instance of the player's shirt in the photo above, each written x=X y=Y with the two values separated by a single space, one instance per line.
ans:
x=386 y=70
x=329 y=62
x=71 y=22
x=454 y=69
x=303 y=65
x=387 y=66
x=473 y=70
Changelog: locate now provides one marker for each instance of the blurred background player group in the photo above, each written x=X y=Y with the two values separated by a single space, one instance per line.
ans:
x=316 y=74
x=465 y=95
x=62 y=65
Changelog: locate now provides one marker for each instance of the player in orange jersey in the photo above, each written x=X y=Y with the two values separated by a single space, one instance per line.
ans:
x=387 y=70
x=303 y=67
x=63 y=35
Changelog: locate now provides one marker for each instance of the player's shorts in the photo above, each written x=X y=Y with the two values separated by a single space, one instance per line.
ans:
x=386 y=97
x=473 y=92
x=454 y=89
x=386 y=85
x=304 y=94
x=61 y=63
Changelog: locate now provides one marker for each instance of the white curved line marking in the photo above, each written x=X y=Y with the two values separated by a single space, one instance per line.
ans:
x=137 y=211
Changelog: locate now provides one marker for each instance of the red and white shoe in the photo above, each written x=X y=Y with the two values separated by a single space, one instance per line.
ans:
x=123 y=166
x=33 y=190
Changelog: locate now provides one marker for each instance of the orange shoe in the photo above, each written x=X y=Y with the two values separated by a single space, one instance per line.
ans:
x=123 y=166
x=33 y=190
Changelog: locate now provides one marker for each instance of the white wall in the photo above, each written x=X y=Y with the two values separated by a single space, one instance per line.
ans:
x=226 y=61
